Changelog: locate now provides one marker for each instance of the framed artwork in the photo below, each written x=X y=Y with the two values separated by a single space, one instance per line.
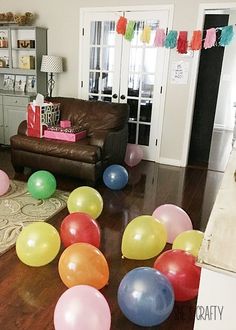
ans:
x=20 y=83
x=31 y=84
x=9 y=82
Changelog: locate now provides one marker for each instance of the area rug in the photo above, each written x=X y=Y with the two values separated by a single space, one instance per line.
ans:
x=18 y=209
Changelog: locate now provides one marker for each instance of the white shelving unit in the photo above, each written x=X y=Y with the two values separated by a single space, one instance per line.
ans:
x=21 y=50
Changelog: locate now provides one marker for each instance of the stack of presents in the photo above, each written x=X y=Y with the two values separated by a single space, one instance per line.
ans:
x=44 y=121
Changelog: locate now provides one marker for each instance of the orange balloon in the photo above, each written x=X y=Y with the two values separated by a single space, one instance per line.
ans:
x=83 y=263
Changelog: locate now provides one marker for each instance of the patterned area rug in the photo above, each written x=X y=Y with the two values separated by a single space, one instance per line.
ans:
x=18 y=209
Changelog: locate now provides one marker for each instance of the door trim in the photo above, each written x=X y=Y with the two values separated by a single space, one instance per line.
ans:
x=127 y=8
x=170 y=10
x=194 y=75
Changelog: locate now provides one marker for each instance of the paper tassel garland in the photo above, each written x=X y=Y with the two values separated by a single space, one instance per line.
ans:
x=146 y=34
x=227 y=34
x=215 y=36
x=129 y=33
x=121 y=25
x=171 y=39
x=210 y=39
x=182 y=43
x=196 y=42
x=160 y=37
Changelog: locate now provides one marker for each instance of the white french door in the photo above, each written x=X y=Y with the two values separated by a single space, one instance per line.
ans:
x=114 y=69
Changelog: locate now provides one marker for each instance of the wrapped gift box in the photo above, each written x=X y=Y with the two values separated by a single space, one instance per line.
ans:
x=65 y=123
x=72 y=137
x=39 y=117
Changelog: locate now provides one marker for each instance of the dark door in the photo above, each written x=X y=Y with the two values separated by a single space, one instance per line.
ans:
x=206 y=96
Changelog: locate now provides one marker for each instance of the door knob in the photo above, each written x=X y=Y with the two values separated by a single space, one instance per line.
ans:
x=114 y=96
x=122 y=97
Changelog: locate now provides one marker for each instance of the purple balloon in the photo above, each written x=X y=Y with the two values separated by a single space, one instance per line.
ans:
x=82 y=307
x=175 y=219
x=133 y=155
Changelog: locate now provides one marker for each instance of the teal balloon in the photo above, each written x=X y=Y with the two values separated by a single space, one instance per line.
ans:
x=42 y=184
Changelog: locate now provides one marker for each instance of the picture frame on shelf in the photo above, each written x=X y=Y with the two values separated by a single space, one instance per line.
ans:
x=20 y=83
x=9 y=82
x=31 y=84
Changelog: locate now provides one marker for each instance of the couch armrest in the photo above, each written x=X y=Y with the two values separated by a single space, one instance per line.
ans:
x=112 y=143
x=98 y=138
x=22 y=128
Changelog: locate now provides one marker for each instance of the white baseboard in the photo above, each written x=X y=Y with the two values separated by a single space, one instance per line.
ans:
x=170 y=161
x=223 y=128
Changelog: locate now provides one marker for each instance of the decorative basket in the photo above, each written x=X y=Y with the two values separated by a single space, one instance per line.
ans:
x=25 y=19
x=19 y=19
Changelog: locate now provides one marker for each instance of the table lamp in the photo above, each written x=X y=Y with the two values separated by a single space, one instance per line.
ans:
x=51 y=65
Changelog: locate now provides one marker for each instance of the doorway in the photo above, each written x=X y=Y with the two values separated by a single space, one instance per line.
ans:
x=209 y=75
x=228 y=77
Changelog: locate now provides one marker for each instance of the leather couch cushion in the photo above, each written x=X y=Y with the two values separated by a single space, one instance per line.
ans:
x=94 y=115
x=80 y=151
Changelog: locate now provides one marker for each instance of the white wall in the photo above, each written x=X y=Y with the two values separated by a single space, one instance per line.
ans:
x=225 y=111
x=61 y=17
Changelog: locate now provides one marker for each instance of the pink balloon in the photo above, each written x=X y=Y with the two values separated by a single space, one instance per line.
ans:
x=175 y=219
x=82 y=307
x=4 y=182
x=133 y=155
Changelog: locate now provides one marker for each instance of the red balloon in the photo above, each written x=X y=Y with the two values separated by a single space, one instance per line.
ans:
x=79 y=227
x=179 y=267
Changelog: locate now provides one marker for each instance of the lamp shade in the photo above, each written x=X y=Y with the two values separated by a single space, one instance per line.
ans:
x=51 y=64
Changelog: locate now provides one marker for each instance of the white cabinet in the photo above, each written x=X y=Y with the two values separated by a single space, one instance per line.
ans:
x=217 y=291
x=12 y=114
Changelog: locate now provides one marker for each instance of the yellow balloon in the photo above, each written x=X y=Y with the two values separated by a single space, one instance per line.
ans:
x=38 y=244
x=189 y=241
x=144 y=238
x=85 y=199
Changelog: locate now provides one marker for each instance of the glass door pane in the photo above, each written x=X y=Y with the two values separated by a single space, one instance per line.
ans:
x=102 y=42
x=103 y=60
x=141 y=79
x=141 y=75
x=114 y=69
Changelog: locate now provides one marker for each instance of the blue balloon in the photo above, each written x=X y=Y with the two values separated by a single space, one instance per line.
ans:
x=146 y=296
x=115 y=177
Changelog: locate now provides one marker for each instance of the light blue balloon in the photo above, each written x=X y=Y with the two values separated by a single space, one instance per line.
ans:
x=115 y=177
x=146 y=296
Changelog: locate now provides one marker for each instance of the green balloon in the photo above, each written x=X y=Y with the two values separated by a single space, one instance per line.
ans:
x=42 y=184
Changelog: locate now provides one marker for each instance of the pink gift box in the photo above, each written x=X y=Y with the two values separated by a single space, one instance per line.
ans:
x=72 y=137
x=65 y=123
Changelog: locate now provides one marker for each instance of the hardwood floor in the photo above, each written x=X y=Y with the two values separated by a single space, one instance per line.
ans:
x=221 y=146
x=28 y=295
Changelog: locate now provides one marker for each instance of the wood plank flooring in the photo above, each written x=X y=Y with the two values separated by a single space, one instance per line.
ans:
x=221 y=146
x=28 y=295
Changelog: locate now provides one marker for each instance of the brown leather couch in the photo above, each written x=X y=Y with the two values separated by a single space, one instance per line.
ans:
x=105 y=144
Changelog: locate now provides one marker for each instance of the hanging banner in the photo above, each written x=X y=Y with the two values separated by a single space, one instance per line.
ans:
x=214 y=37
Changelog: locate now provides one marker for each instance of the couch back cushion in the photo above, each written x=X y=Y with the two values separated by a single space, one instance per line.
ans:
x=95 y=115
